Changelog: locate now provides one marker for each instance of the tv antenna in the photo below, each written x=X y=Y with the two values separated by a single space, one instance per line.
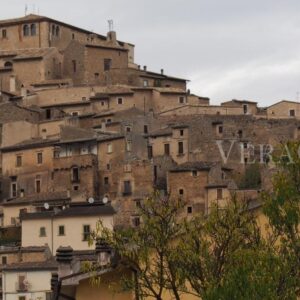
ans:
x=26 y=9
x=111 y=25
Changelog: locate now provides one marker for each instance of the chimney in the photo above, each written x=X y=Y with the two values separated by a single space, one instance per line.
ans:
x=139 y=67
x=162 y=71
x=112 y=36
x=64 y=257
x=145 y=68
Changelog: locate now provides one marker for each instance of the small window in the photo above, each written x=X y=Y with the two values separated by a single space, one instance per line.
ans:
x=106 y=181
x=74 y=65
x=61 y=230
x=57 y=31
x=102 y=103
x=240 y=133
x=75 y=188
x=245 y=145
x=8 y=64
x=109 y=148
x=26 y=30
x=136 y=222
x=145 y=129
x=13 y=189
x=108 y=121
x=40 y=158
x=107 y=64
x=19 y=161
x=245 y=108
x=120 y=100
x=4 y=33
x=181 y=100
x=219 y=194
x=220 y=129
x=75 y=113
x=128 y=129
x=180 y=147
x=38 y=185
x=33 y=29
x=195 y=173
x=86 y=232
x=150 y=152
x=42 y=231
x=108 y=167
x=167 y=149
x=96 y=75
x=146 y=83
x=48 y=114
x=127 y=188
x=189 y=210
x=181 y=192
x=292 y=113
x=181 y=132
x=73 y=36
x=4 y=260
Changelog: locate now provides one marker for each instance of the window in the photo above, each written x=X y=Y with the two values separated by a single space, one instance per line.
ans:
x=86 y=232
x=61 y=230
x=57 y=31
x=21 y=285
x=167 y=149
x=219 y=194
x=181 y=132
x=4 y=33
x=38 y=185
x=181 y=192
x=150 y=152
x=73 y=36
x=4 y=260
x=195 y=173
x=33 y=29
x=109 y=148
x=40 y=158
x=75 y=188
x=8 y=64
x=145 y=129
x=75 y=174
x=106 y=181
x=245 y=108
x=128 y=129
x=181 y=100
x=26 y=30
x=240 y=133
x=74 y=113
x=18 y=161
x=292 y=113
x=128 y=146
x=136 y=221
x=13 y=189
x=74 y=65
x=127 y=188
x=245 y=145
x=48 y=114
x=180 y=147
x=189 y=209
x=220 y=129
x=108 y=167
x=107 y=64
x=42 y=231
x=120 y=100
x=146 y=83
x=108 y=121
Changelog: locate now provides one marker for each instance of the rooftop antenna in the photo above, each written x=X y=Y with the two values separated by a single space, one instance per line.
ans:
x=26 y=9
x=111 y=25
x=297 y=96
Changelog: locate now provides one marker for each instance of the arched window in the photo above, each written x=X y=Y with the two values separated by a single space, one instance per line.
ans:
x=33 y=29
x=57 y=31
x=26 y=30
x=8 y=64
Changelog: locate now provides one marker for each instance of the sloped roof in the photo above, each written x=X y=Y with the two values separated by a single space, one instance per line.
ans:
x=48 y=265
x=27 y=53
x=193 y=166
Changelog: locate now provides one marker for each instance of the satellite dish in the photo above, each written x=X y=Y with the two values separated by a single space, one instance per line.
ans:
x=46 y=206
x=105 y=200
x=91 y=200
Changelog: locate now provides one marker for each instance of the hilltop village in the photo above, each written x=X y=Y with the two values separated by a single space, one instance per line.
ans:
x=87 y=134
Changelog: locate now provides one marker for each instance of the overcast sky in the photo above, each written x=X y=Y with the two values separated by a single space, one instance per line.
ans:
x=229 y=49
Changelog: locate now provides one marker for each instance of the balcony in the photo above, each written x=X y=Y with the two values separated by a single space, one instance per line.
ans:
x=87 y=160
